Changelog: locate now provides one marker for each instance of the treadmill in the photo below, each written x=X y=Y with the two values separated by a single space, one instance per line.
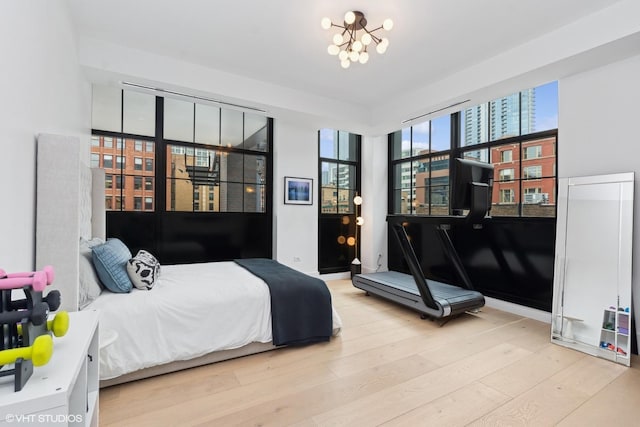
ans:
x=430 y=298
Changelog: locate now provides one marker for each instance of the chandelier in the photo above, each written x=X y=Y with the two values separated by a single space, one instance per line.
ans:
x=351 y=44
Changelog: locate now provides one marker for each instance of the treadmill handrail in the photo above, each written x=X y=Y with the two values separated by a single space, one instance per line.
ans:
x=414 y=266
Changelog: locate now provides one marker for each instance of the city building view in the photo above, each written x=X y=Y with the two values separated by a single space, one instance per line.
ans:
x=129 y=166
x=524 y=168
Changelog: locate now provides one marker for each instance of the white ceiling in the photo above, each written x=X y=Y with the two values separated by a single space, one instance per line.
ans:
x=281 y=41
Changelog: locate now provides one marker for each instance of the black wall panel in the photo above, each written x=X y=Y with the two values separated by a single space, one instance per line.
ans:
x=187 y=237
x=511 y=259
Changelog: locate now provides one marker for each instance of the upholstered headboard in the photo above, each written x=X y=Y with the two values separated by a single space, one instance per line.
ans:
x=69 y=205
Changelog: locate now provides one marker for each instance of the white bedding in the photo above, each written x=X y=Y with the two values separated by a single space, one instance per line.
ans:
x=193 y=309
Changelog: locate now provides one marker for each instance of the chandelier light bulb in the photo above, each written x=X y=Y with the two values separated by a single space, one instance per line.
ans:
x=357 y=46
x=357 y=200
x=349 y=17
x=366 y=39
x=353 y=56
x=387 y=24
x=382 y=46
x=337 y=39
x=364 y=57
x=345 y=64
x=343 y=55
x=325 y=23
x=359 y=220
x=333 y=49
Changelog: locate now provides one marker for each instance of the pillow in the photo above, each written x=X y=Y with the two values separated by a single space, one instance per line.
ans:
x=90 y=286
x=110 y=260
x=143 y=270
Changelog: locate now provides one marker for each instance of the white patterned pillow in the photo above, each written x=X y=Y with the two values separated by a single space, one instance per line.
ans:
x=143 y=270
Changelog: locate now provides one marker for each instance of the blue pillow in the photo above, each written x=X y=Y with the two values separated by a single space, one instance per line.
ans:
x=110 y=260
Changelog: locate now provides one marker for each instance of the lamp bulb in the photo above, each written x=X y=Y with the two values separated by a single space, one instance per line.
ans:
x=345 y=63
x=325 y=23
x=333 y=49
x=359 y=220
x=337 y=39
x=364 y=57
x=387 y=24
x=353 y=56
x=357 y=200
x=357 y=46
x=349 y=17
x=366 y=39
x=382 y=46
x=343 y=55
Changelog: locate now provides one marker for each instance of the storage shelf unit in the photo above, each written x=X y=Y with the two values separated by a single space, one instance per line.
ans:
x=615 y=335
x=64 y=392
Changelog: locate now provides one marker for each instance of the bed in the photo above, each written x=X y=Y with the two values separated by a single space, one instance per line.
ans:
x=194 y=314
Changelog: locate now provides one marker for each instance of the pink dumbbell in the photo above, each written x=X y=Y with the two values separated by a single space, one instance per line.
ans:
x=47 y=269
x=38 y=281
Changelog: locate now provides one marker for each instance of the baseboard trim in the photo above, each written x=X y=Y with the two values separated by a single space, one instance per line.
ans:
x=520 y=310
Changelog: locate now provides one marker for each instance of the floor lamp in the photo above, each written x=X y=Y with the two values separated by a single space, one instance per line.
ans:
x=356 y=265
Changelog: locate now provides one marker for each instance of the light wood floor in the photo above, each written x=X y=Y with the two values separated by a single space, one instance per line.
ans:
x=391 y=368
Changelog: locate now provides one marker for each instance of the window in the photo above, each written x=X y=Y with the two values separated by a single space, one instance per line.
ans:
x=516 y=133
x=108 y=142
x=507 y=196
x=95 y=141
x=421 y=168
x=339 y=177
x=107 y=161
x=95 y=160
x=532 y=152
x=506 y=175
x=531 y=172
x=338 y=180
x=108 y=203
x=108 y=181
x=233 y=175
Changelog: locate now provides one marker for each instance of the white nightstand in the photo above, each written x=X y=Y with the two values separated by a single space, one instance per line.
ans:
x=64 y=391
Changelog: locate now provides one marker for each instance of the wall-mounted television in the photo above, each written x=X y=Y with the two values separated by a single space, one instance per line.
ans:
x=471 y=187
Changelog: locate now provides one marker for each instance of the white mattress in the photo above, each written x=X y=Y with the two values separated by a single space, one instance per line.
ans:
x=193 y=309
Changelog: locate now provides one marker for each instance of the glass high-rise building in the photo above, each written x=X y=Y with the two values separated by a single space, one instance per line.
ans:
x=500 y=118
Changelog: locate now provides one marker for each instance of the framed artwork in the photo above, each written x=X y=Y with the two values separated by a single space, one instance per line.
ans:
x=298 y=191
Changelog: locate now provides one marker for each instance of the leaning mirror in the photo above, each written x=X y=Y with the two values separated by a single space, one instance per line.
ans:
x=592 y=278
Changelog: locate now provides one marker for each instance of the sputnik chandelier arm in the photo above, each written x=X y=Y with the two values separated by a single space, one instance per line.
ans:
x=351 y=46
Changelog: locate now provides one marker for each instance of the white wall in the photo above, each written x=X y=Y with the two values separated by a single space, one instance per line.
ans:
x=375 y=178
x=597 y=133
x=41 y=91
x=296 y=226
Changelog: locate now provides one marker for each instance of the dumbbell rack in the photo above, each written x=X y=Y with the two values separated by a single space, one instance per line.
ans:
x=10 y=338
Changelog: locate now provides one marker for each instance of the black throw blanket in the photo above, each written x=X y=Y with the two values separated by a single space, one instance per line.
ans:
x=300 y=304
